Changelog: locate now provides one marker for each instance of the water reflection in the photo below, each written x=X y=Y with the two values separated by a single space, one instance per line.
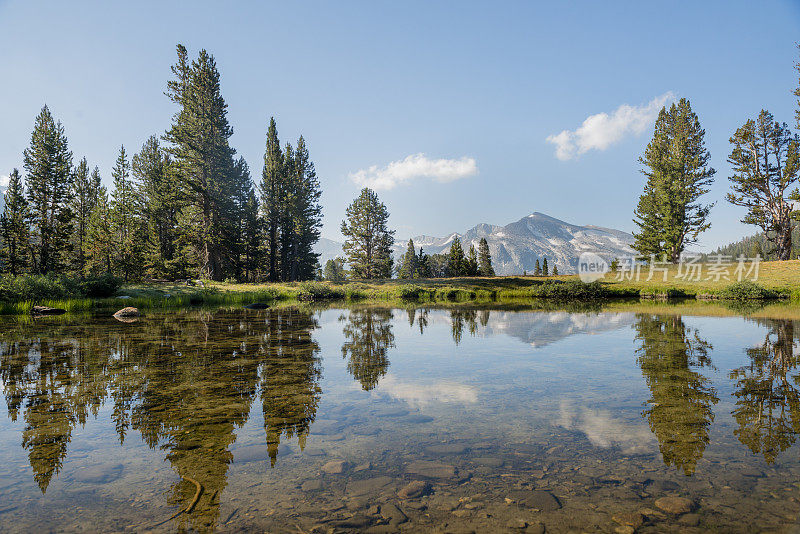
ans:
x=368 y=338
x=768 y=393
x=672 y=357
x=184 y=382
x=187 y=382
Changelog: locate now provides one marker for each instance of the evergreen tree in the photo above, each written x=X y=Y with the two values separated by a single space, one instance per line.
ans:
x=204 y=162
x=305 y=215
x=99 y=237
x=676 y=162
x=125 y=220
x=545 y=271
x=555 y=270
x=765 y=166
x=537 y=271
x=408 y=263
x=160 y=203
x=424 y=265
x=82 y=202
x=251 y=232
x=272 y=193
x=456 y=262
x=48 y=164
x=484 y=259
x=472 y=262
x=334 y=270
x=369 y=241
x=14 y=227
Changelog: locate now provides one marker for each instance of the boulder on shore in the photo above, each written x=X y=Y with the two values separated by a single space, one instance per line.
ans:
x=45 y=310
x=257 y=306
x=126 y=314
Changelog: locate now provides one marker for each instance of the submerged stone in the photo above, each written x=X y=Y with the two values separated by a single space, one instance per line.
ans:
x=538 y=499
x=413 y=489
x=675 y=505
x=430 y=469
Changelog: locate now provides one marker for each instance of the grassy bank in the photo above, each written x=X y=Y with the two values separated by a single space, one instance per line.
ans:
x=777 y=280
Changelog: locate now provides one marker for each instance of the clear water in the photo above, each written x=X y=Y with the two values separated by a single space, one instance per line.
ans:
x=512 y=420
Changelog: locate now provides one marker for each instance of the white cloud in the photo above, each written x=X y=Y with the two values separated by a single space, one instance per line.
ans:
x=604 y=430
x=4 y=180
x=413 y=167
x=600 y=131
x=419 y=395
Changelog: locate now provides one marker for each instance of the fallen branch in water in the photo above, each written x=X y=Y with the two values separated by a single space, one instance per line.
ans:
x=192 y=504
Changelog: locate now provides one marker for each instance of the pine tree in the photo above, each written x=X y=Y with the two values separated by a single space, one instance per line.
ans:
x=82 y=201
x=545 y=271
x=252 y=237
x=456 y=262
x=676 y=162
x=160 y=203
x=204 y=160
x=765 y=166
x=334 y=270
x=424 y=265
x=125 y=220
x=408 y=263
x=484 y=259
x=99 y=237
x=306 y=215
x=555 y=270
x=14 y=227
x=272 y=193
x=537 y=271
x=369 y=242
x=471 y=264
x=48 y=164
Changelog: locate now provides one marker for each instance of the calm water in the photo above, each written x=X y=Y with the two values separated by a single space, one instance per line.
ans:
x=568 y=420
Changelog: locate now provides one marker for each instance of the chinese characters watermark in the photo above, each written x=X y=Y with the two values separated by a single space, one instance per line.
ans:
x=717 y=267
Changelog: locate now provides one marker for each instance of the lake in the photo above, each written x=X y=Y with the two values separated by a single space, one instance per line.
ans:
x=517 y=418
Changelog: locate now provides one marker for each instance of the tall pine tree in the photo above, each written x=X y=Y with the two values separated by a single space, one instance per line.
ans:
x=484 y=258
x=48 y=165
x=272 y=199
x=82 y=202
x=14 y=227
x=456 y=262
x=670 y=215
x=199 y=143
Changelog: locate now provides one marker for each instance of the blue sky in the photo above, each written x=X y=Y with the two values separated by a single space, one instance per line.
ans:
x=476 y=87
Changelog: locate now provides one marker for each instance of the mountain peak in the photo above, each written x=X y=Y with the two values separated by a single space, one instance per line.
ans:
x=516 y=247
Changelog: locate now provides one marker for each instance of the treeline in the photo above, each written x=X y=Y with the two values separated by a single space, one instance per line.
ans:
x=765 y=161
x=184 y=206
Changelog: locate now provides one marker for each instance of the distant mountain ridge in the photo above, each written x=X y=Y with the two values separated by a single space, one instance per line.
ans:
x=516 y=246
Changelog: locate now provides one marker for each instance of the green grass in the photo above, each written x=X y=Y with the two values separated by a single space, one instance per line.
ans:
x=776 y=280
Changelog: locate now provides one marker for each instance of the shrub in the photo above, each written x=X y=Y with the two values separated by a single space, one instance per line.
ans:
x=317 y=291
x=746 y=290
x=101 y=287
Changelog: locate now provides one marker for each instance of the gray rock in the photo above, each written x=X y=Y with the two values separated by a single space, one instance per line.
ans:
x=538 y=499
x=45 y=310
x=430 y=469
x=488 y=461
x=98 y=474
x=446 y=448
x=675 y=505
x=335 y=467
x=414 y=489
x=394 y=514
x=311 y=485
x=368 y=485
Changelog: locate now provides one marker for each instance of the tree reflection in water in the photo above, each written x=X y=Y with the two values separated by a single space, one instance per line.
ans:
x=671 y=356
x=368 y=338
x=185 y=382
x=768 y=392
